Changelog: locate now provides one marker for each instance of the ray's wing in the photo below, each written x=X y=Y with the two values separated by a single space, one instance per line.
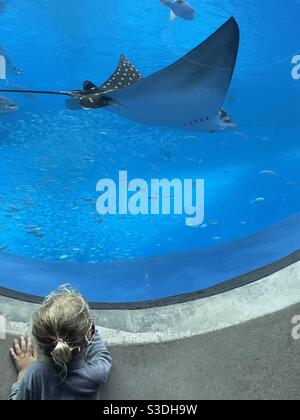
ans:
x=194 y=87
x=125 y=76
x=93 y=97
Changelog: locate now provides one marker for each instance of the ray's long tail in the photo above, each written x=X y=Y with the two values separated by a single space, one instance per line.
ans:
x=71 y=93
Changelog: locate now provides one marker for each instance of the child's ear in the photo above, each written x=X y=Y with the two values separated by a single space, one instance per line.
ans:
x=93 y=329
x=91 y=334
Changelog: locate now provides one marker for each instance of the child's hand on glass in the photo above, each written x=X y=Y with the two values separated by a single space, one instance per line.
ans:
x=22 y=355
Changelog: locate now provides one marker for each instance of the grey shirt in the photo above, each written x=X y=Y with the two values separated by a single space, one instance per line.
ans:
x=43 y=382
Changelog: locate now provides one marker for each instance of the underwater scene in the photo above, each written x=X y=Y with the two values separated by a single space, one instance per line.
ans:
x=207 y=90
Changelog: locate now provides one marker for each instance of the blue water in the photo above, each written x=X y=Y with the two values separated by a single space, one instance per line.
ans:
x=52 y=158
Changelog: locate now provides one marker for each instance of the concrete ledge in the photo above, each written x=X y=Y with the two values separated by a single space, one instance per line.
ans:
x=174 y=322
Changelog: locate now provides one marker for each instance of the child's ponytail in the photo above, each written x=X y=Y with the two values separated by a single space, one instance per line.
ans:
x=62 y=354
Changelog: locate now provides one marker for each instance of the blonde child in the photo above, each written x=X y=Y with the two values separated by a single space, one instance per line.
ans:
x=67 y=359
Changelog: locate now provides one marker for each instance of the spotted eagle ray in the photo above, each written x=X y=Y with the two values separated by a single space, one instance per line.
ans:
x=188 y=94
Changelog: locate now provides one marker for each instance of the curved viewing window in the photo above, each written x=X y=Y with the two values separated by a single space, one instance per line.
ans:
x=53 y=156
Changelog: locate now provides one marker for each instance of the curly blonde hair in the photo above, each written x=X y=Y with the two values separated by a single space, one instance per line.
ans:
x=62 y=327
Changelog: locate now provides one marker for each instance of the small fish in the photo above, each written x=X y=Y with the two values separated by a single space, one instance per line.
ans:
x=258 y=200
x=214 y=222
x=34 y=231
x=273 y=173
x=180 y=8
x=90 y=201
x=7 y=105
x=191 y=138
x=31 y=227
x=89 y=158
x=242 y=135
